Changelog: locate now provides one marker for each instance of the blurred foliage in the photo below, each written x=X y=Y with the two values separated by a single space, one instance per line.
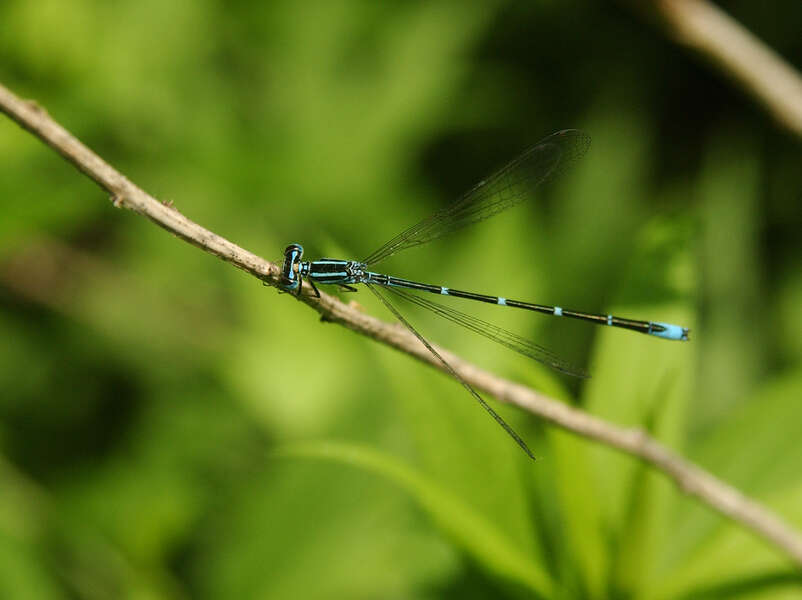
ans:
x=169 y=428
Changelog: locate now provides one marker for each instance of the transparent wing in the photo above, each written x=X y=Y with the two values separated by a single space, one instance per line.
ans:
x=506 y=338
x=510 y=431
x=510 y=186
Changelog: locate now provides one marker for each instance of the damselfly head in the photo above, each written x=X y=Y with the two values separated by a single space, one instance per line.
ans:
x=290 y=278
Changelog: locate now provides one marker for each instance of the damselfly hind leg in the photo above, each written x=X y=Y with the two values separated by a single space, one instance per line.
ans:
x=314 y=287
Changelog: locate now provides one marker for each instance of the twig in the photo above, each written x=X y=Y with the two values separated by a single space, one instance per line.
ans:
x=689 y=478
x=757 y=68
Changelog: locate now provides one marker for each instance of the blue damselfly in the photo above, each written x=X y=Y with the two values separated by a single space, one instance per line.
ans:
x=508 y=187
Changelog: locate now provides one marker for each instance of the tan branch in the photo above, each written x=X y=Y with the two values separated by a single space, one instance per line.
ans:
x=689 y=478
x=759 y=70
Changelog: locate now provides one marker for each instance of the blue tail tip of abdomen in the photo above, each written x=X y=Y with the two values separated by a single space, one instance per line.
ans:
x=669 y=331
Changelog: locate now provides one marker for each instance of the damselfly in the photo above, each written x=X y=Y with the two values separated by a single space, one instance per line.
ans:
x=508 y=187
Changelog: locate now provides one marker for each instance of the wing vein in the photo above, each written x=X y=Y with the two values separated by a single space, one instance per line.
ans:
x=506 y=188
x=510 y=431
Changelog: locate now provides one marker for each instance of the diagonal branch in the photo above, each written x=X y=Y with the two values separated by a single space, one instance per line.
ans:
x=690 y=478
x=733 y=49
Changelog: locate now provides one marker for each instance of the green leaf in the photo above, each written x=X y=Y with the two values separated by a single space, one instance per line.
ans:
x=756 y=450
x=471 y=531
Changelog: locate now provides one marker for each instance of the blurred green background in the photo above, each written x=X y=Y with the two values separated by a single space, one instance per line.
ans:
x=170 y=428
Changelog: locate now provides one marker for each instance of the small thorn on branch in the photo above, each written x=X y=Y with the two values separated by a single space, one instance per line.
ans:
x=34 y=105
